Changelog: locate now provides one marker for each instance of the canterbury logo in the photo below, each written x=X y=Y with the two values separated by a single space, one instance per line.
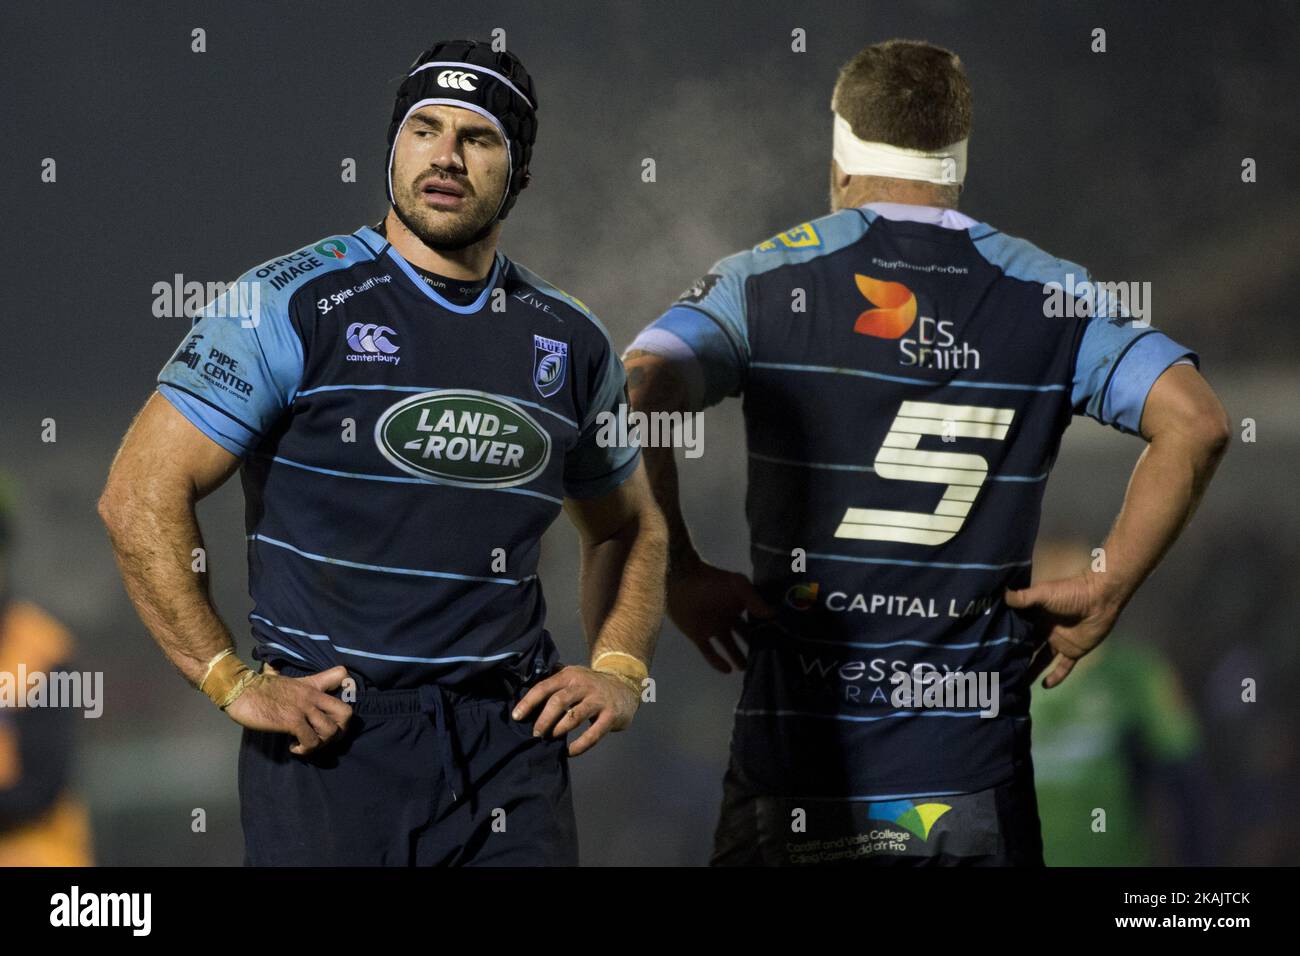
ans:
x=894 y=312
x=371 y=338
x=899 y=460
x=457 y=80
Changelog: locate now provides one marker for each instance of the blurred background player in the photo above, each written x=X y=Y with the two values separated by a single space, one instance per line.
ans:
x=42 y=821
x=1120 y=737
x=410 y=410
x=906 y=383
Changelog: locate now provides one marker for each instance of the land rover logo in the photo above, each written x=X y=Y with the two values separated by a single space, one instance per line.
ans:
x=463 y=437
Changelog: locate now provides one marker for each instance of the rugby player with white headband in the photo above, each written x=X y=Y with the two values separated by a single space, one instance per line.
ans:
x=905 y=390
x=857 y=157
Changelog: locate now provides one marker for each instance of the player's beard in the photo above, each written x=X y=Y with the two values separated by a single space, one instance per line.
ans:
x=439 y=229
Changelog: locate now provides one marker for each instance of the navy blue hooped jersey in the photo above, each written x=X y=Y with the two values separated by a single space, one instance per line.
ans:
x=906 y=381
x=402 y=454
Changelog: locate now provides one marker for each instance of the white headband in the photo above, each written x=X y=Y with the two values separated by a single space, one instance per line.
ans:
x=857 y=157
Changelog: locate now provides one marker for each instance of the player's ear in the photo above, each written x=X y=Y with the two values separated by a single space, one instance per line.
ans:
x=839 y=177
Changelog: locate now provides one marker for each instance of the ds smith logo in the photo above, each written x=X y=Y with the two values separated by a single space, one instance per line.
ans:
x=894 y=312
x=916 y=818
x=462 y=437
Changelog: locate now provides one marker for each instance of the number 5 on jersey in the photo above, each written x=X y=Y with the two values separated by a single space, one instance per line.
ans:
x=899 y=460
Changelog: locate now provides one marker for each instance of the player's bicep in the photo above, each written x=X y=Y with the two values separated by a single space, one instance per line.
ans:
x=1182 y=401
x=659 y=383
x=601 y=518
x=163 y=449
x=703 y=341
x=707 y=355
x=1116 y=367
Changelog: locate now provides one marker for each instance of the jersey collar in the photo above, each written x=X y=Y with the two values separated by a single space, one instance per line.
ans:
x=934 y=215
x=377 y=242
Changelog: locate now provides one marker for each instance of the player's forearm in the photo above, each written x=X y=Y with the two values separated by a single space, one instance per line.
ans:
x=653 y=386
x=154 y=537
x=1167 y=484
x=661 y=470
x=622 y=588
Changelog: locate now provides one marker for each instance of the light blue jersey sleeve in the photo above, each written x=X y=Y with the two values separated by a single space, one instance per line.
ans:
x=239 y=367
x=705 y=334
x=596 y=465
x=1118 y=361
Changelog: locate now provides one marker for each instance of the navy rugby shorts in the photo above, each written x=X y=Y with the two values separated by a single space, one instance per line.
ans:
x=423 y=777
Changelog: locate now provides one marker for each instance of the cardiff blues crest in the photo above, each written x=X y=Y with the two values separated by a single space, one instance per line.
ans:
x=550 y=362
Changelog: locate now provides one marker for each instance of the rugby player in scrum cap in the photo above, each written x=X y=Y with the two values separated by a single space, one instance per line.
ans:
x=409 y=410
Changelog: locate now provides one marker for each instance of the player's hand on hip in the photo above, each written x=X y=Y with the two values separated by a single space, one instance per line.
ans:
x=577 y=694
x=1075 y=612
x=300 y=706
x=708 y=605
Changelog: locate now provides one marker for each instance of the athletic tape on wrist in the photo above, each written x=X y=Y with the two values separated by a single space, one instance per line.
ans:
x=627 y=666
x=226 y=678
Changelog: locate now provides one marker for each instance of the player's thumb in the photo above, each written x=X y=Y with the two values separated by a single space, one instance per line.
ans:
x=328 y=680
x=1031 y=596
